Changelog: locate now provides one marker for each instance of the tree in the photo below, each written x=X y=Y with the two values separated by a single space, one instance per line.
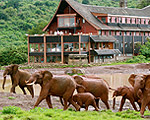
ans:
x=85 y=2
x=145 y=49
x=143 y=3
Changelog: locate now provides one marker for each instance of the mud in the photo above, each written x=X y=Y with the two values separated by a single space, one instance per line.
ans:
x=26 y=102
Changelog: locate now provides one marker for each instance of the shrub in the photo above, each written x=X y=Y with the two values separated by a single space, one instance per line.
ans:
x=11 y=110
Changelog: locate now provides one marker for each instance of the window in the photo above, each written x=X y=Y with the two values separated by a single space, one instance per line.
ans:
x=103 y=19
x=58 y=47
x=48 y=47
x=109 y=19
x=125 y=20
x=109 y=32
x=120 y=20
x=115 y=19
x=76 y=46
x=53 y=47
x=31 y=59
x=68 y=46
x=66 y=21
x=100 y=32
x=41 y=47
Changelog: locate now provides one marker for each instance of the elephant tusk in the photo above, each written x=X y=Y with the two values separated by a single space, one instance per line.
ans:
x=31 y=83
x=114 y=97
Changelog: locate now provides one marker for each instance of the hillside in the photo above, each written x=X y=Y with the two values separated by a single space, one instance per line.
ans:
x=19 y=17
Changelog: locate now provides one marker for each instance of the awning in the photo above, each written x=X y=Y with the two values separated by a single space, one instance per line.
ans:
x=107 y=52
x=104 y=38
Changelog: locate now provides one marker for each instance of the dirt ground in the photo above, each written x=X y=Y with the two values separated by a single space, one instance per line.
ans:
x=26 y=102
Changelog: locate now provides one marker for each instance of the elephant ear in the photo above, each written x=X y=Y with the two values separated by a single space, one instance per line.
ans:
x=131 y=79
x=147 y=82
x=78 y=79
x=15 y=68
x=47 y=76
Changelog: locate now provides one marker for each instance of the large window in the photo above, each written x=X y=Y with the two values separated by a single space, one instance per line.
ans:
x=68 y=21
x=69 y=47
x=37 y=47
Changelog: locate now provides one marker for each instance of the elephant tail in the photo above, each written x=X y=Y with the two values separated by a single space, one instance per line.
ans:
x=3 y=85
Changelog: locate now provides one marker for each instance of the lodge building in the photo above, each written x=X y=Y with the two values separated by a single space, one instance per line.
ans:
x=101 y=33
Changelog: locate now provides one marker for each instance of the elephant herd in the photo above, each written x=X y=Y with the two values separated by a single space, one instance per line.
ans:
x=89 y=89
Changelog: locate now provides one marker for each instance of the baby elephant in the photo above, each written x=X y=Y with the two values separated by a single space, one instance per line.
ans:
x=126 y=93
x=85 y=99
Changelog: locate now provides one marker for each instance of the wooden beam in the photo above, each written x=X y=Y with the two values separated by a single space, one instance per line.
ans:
x=79 y=44
x=45 y=58
x=62 y=49
x=133 y=41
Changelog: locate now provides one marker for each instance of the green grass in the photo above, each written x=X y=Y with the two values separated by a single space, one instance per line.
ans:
x=11 y=98
x=16 y=113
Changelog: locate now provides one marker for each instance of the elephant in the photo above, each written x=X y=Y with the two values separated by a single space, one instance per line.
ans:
x=98 y=87
x=126 y=93
x=61 y=86
x=85 y=98
x=18 y=77
x=141 y=82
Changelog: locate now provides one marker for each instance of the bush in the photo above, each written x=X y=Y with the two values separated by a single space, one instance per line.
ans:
x=11 y=110
x=137 y=59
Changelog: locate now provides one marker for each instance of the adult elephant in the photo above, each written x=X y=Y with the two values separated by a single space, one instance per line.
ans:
x=62 y=86
x=98 y=87
x=18 y=77
x=141 y=82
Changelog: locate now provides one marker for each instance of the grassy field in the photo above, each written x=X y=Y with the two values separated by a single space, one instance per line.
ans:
x=15 y=113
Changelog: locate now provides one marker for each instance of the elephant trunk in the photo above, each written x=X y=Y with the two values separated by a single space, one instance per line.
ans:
x=114 y=102
x=4 y=75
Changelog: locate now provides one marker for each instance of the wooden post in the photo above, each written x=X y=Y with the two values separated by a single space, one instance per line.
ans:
x=123 y=43
x=28 y=50
x=89 y=50
x=79 y=44
x=45 y=50
x=133 y=42
x=62 y=49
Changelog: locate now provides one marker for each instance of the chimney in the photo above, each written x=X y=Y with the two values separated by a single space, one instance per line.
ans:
x=123 y=3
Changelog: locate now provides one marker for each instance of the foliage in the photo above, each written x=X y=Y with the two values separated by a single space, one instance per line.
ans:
x=137 y=59
x=19 y=17
x=11 y=98
x=85 y=1
x=145 y=49
x=13 y=55
x=143 y=3
x=11 y=110
x=59 y=114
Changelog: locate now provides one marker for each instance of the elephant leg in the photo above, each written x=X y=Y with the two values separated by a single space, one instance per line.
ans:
x=142 y=109
x=43 y=95
x=97 y=102
x=104 y=99
x=95 y=106
x=122 y=103
x=133 y=104
x=13 y=88
x=74 y=104
x=139 y=105
x=86 y=106
x=30 y=89
x=148 y=106
x=22 y=88
x=48 y=100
